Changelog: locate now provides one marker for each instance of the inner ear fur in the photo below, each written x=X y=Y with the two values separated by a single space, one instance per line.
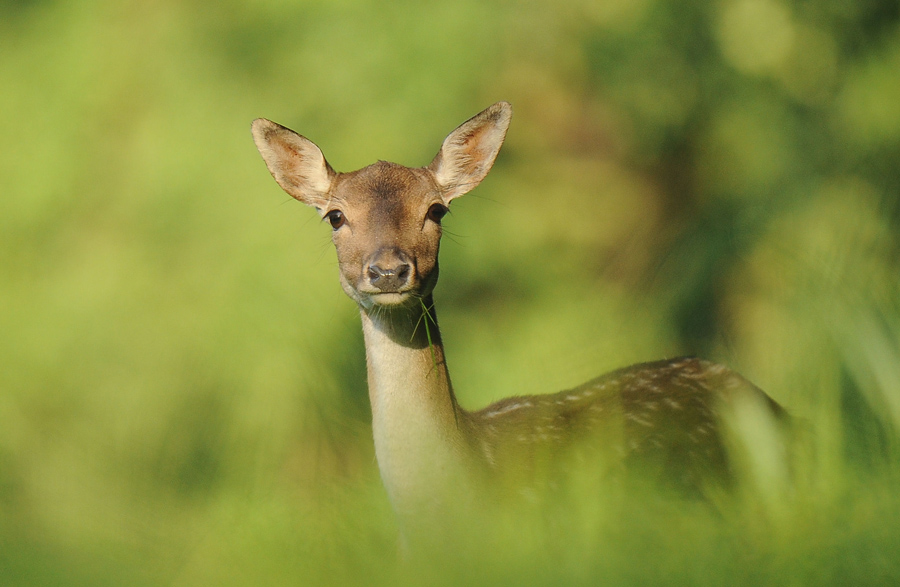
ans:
x=468 y=152
x=295 y=162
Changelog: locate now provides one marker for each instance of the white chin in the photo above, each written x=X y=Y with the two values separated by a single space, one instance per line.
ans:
x=386 y=299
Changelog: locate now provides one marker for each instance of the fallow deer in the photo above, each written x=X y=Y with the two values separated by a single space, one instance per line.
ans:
x=386 y=227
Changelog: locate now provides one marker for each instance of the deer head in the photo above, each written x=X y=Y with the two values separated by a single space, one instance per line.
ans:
x=385 y=218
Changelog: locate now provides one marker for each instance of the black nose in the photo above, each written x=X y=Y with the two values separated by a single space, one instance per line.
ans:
x=389 y=270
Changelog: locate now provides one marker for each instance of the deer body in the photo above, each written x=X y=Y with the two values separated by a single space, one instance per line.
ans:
x=386 y=222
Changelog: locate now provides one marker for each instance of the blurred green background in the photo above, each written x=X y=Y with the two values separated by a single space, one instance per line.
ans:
x=182 y=389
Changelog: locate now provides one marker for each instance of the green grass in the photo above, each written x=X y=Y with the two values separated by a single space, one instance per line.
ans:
x=182 y=382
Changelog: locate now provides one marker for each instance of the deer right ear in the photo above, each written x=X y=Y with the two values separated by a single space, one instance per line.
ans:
x=295 y=162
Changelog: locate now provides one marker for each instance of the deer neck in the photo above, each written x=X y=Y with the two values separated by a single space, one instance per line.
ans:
x=416 y=421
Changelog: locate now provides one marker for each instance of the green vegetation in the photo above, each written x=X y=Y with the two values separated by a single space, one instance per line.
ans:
x=182 y=387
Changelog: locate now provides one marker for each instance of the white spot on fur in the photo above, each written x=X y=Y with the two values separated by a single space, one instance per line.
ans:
x=507 y=408
x=672 y=403
x=635 y=418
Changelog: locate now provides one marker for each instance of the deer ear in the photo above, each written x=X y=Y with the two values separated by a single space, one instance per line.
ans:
x=469 y=151
x=295 y=162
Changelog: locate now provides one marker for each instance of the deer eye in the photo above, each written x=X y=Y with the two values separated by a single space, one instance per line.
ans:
x=437 y=212
x=336 y=218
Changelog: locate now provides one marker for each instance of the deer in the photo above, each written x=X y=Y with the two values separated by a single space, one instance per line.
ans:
x=433 y=454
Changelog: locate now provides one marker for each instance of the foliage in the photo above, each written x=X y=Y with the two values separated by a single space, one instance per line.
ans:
x=182 y=390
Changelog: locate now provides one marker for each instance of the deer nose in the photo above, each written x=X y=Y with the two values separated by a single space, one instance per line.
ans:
x=389 y=270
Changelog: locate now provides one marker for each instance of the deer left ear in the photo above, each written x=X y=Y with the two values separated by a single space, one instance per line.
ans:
x=468 y=153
